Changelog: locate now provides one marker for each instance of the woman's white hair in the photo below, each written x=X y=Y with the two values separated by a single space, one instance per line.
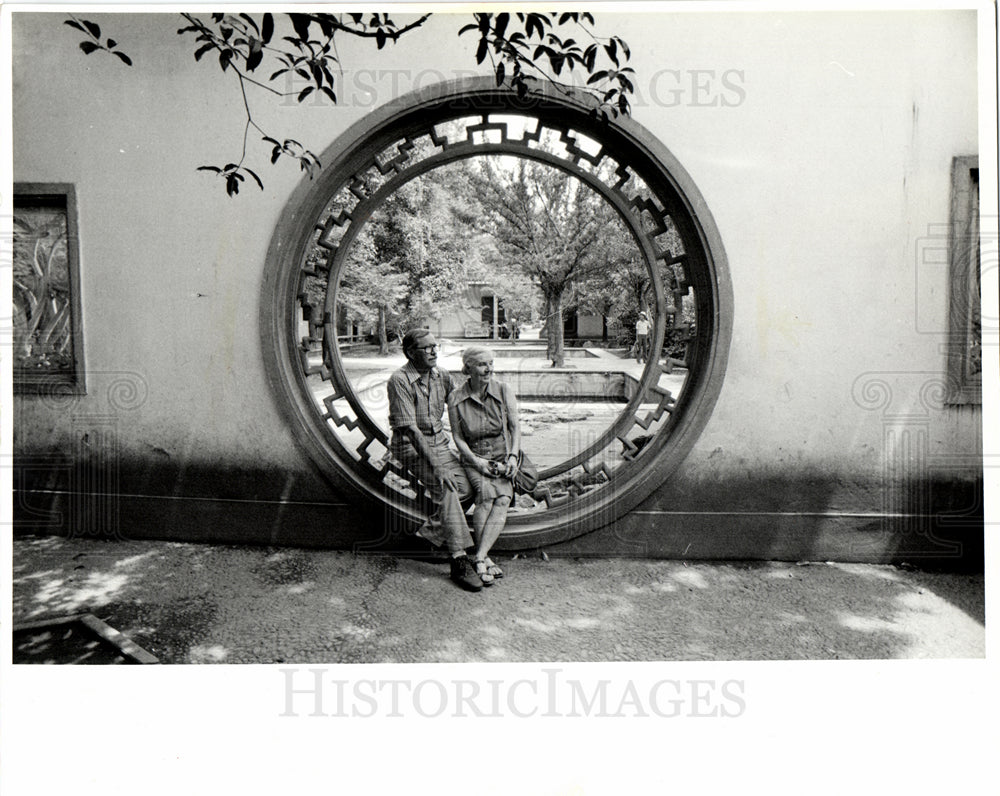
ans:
x=472 y=353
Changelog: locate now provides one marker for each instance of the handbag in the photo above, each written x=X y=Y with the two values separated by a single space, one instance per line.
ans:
x=526 y=477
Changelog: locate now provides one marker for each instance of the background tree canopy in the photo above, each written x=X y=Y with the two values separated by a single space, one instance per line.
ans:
x=538 y=236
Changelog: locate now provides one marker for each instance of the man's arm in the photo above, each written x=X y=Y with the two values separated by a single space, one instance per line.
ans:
x=423 y=448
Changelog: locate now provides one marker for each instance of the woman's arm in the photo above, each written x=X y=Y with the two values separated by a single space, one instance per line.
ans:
x=513 y=426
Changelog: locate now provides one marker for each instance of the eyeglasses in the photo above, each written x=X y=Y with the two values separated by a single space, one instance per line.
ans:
x=430 y=349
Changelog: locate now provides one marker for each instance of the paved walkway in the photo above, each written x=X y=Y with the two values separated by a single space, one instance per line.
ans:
x=196 y=603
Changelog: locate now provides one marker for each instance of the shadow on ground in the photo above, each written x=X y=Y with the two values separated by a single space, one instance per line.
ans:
x=189 y=603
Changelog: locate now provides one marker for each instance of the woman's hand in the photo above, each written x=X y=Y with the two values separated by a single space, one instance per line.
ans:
x=511 y=468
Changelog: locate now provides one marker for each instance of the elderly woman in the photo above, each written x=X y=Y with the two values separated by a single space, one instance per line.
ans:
x=483 y=414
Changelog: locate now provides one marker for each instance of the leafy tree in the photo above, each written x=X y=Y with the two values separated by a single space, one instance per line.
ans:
x=549 y=225
x=415 y=255
x=523 y=49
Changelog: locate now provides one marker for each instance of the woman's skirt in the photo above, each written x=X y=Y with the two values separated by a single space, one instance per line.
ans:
x=488 y=487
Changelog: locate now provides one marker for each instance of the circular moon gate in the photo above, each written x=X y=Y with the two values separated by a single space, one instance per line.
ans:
x=632 y=171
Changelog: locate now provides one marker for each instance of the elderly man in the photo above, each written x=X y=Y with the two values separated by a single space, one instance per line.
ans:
x=418 y=393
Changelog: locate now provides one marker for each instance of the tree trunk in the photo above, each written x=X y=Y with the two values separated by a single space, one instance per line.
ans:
x=554 y=348
x=383 y=338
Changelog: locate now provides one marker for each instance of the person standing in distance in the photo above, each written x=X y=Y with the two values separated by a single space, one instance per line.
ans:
x=642 y=338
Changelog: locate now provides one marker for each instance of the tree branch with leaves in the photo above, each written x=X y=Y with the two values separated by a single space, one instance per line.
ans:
x=525 y=50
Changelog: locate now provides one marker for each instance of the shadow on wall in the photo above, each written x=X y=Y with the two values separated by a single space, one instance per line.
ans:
x=188 y=603
x=805 y=516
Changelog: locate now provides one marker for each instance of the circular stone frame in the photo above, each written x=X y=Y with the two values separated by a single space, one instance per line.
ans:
x=673 y=192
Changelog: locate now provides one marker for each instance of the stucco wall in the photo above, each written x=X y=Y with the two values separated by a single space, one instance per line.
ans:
x=821 y=142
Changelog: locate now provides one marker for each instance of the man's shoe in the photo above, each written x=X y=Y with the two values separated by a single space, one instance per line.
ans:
x=463 y=572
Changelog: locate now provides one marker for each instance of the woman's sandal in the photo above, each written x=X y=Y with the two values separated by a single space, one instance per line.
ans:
x=492 y=568
x=482 y=570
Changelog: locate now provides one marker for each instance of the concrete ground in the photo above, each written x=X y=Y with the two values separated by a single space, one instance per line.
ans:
x=198 y=603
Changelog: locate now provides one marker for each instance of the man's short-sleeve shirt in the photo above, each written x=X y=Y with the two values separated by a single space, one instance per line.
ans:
x=416 y=398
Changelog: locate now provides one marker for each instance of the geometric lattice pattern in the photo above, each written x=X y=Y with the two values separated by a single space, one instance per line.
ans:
x=642 y=425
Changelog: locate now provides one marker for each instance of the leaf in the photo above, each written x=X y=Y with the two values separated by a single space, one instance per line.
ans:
x=484 y=23
x=270 y=140
x=305 y=92
x=325 y=24
x=203 y=50
x=380 y=38
x=482 y=50
x=88 y=47
x=275 y=154
x=253 y=174
x=216 y=169
x=612 y=51
x=464 y=29
x=624 y=46
x=232 y=185
x=501 y=25
x=276 y=74
x=597 y=77
x=93 y=28
x=256 y=55
x=224 y=58
x=301 y=24
x=623 y=104
x=111 y=44
x=125 y=58
x=500 y=73
x=249 y=19
x=74 y=24
x=267 y=29
x=356 y=18
x=329 y=92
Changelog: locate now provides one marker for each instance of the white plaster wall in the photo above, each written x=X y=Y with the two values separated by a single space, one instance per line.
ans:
x=824 y=161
